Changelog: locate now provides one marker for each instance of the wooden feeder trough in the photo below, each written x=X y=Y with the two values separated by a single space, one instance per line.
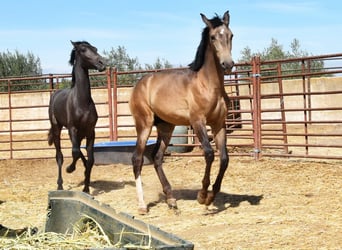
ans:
x=120 y=152
x=67 y=208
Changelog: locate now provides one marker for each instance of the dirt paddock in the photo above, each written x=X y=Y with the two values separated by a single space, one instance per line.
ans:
x=279 y=204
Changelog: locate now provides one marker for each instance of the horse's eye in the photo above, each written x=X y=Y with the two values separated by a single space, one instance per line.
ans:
x=212 y=38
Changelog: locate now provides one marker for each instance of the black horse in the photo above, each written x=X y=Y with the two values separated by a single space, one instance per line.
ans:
x=74 y=109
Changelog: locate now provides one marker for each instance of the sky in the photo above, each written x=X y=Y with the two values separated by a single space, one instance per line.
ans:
x=169 y=30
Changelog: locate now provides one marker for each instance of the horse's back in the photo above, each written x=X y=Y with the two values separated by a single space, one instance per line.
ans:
x=163 y=83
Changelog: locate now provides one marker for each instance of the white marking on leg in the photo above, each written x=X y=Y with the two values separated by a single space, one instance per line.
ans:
x=140 y=193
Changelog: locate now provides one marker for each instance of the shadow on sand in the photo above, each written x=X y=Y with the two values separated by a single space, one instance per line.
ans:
x=101 y=186
x=222 y=202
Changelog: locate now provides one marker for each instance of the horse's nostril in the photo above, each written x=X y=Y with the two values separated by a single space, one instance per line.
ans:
x=228 y=64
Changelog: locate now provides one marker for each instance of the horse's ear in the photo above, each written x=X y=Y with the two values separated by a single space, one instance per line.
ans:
x=73 y=43
x=206 y=21
x=226 y=18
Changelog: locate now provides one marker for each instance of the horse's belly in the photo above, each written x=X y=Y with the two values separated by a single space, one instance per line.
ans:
x=174 y=116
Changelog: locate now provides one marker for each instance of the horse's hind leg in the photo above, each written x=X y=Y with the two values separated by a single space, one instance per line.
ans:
x=143 y=132
x=164 y=135
x=55 y=132
x=90 y=162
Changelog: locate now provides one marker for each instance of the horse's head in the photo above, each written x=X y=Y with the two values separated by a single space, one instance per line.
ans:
x=220 y=37
x=88 y=56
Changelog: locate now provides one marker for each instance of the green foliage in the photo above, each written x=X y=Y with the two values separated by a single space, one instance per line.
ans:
x=159 y=64
x=17 y=64
x=64 y=83
x=275 y=51
x=120 y=59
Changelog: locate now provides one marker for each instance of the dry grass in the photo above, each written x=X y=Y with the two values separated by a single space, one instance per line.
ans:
x=87 y=234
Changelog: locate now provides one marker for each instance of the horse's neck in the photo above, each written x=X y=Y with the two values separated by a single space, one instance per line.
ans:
x=211 y=70
x=81 y=84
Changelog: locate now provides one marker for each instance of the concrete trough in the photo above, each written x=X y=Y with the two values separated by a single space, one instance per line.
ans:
x=120 y=152
x=65 y=208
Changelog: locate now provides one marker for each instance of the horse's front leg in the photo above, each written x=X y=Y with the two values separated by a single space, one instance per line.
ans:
x=90 y=162
x=220 y=141
x=201 y=131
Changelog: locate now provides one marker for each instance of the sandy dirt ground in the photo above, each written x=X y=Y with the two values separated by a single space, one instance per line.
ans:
x=269 y=204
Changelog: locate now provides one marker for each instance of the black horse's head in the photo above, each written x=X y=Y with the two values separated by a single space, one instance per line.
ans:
x=86 y=54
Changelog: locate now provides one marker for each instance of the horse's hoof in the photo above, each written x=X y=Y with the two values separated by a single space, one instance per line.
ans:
x=173 y=206
x=60 y=188
x=172 y=203
x=70 y=169
x=142 y=210
x=86 y=190
x=210 y=198
x=201 y=198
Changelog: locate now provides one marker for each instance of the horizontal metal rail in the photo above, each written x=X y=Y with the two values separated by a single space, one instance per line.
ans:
x=266 y=116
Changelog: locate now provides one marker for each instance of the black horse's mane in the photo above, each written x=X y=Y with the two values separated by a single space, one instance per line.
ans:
x=73 y=57
x=200 y=54
x=73 y=51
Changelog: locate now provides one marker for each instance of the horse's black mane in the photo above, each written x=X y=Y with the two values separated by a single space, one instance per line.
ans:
x=200 y=54
x=73 y=57
x=73 y=52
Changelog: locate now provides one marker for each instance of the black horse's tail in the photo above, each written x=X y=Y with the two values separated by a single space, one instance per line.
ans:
x=50 y=137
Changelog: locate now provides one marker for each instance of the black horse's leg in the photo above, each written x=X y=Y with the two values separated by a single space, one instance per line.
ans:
x=90 y=162
x=143 y=132
x=59 y=156
x=164 y=131
x=76 y=152
x=201 y=131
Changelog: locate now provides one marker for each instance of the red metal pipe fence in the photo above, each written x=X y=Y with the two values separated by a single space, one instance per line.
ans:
x=273 y=111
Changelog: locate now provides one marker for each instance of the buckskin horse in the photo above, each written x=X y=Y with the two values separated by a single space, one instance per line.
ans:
x=194 y=96
x=74 y=109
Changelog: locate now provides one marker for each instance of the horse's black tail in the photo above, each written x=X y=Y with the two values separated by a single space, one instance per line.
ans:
x=50 y=137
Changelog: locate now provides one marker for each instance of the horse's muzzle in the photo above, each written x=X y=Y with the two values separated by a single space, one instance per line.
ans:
x=227 y=65
x=101 y=66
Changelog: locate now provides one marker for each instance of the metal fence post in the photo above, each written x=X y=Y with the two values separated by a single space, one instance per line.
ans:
x=10 y=118
x=256 y=106
x=115 y=103
x=110 y=103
